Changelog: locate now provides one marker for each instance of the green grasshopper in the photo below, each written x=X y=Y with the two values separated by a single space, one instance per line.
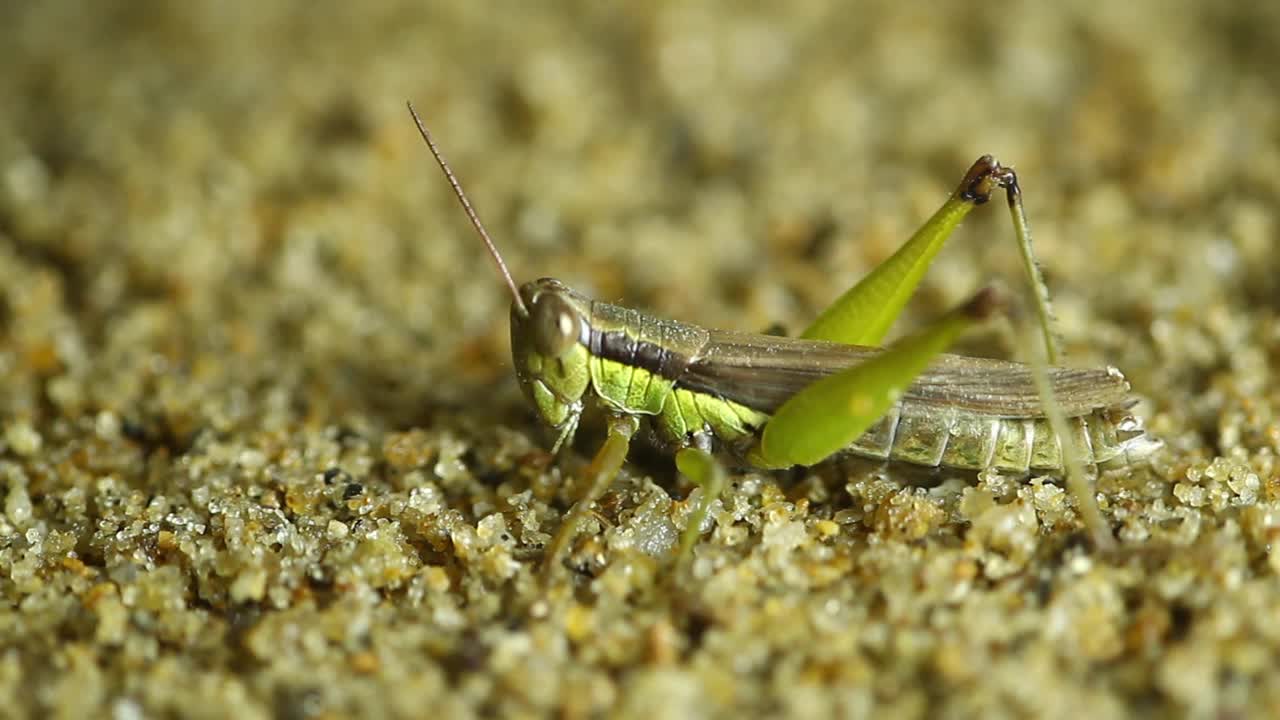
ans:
x=776 y=402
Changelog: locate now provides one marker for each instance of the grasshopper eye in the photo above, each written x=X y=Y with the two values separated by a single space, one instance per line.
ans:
x=555 y=326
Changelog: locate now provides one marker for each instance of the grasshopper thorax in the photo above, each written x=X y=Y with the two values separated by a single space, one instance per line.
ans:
x=550 y=349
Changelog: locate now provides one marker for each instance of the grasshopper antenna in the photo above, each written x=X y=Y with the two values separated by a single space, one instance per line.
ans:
x=471 y=213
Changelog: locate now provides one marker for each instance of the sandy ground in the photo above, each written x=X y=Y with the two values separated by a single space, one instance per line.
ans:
x=262 y=453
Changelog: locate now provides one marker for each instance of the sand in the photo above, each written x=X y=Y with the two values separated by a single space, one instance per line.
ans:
x=262 y=453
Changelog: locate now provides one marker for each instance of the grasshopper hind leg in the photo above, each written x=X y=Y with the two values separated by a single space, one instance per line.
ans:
x=829 y=414
x=864 y=313
x=1081 y=484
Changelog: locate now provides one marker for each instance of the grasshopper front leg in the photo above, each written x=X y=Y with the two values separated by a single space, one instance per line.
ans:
x=600 y=475
x=695 y=463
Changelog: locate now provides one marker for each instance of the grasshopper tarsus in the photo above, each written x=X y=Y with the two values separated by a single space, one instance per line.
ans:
x=1013 y=191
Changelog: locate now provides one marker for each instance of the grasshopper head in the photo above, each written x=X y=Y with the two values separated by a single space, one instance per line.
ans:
x=549 y=345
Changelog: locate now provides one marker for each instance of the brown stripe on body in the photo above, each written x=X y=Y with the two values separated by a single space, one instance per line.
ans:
x=662 y=347
x=619 y=346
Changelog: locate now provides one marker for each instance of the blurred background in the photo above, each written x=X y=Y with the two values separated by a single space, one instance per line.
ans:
x=220 y=234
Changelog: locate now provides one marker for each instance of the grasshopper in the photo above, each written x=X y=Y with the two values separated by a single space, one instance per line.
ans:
x=775 y=402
